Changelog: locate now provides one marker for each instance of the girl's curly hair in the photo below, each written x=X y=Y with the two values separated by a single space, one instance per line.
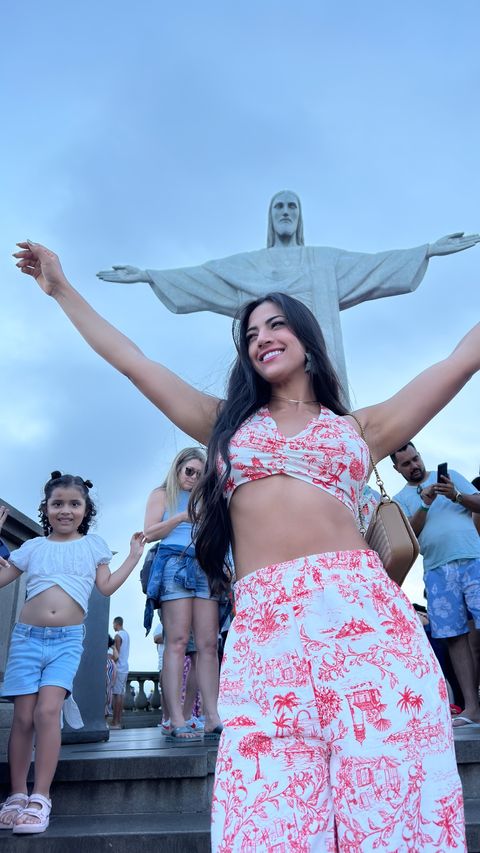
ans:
x=58 y=480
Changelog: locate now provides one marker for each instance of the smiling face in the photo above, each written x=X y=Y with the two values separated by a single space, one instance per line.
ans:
x=189 y=474
x=65 y=509
x=285 y=214
x=274 y=350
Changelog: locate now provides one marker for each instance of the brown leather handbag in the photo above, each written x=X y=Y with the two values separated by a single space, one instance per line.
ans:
x=390 y=533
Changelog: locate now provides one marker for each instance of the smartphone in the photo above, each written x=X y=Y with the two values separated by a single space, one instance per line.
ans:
x=442 y=471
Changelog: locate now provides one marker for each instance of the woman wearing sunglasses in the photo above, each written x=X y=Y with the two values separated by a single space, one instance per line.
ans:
x=181 y=588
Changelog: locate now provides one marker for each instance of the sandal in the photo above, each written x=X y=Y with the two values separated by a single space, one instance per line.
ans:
x=42 y=816
x=14 y=806
x=184 y=735
x=214 y=735
x=196 y=723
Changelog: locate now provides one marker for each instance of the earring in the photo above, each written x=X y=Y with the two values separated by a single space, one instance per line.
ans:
x=308 y=362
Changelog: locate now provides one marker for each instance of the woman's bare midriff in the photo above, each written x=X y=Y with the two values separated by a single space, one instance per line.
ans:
x=280 y=518
x=52 y=608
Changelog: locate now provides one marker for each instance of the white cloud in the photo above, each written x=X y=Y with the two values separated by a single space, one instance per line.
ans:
x=22 y=428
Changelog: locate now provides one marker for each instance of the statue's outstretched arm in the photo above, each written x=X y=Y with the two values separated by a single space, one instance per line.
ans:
x=451 y=243
x=124 y=275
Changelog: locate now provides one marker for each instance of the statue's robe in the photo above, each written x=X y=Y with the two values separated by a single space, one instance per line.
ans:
x=327 y=280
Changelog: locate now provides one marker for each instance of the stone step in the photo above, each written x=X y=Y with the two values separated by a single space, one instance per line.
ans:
x=142 y=833
x=472 y=819
x=6 y=715
x=131 y=833
x=137 y=784
x=467 y=750
x=134 y=772
x=141 y=719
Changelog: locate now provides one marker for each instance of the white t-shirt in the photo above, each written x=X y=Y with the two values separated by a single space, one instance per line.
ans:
x=123 y=652
x=71 y=565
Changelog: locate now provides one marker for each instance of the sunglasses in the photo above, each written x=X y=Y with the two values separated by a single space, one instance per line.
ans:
x=192 y=472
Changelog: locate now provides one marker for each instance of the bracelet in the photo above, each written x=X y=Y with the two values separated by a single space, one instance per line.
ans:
x=424 y=506
x=458 y=497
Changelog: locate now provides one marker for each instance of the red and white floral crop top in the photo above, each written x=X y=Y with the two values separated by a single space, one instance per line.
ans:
x=328 y=453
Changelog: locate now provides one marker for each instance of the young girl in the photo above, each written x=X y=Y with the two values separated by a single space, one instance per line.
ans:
x=47 y=642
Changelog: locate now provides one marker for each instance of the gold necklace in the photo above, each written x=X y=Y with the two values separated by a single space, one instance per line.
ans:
x=287 y=399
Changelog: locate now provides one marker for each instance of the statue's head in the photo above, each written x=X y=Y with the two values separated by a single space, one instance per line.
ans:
x=285 y=218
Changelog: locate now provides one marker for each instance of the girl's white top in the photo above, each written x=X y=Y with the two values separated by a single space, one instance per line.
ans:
x=71 y=565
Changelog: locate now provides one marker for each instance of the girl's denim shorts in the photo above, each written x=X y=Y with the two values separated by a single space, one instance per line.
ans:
x=42 y=657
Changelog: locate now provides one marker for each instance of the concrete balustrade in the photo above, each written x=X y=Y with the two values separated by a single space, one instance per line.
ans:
x=141 y=703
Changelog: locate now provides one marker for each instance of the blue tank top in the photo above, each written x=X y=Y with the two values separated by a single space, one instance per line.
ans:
x=182 y=533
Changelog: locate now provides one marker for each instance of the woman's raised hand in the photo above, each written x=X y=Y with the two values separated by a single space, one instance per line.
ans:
x=38 y=261
x=192 y=411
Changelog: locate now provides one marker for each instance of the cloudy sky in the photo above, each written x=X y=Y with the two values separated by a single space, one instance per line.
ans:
x=154 y=134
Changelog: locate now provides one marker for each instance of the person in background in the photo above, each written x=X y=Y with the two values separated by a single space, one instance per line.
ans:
x=181 y=587
x=476 y=515
x=439 y=508
x=189 y=690
x=111 y=674
x=158 y=639
x=192 y=700
x=122 y=647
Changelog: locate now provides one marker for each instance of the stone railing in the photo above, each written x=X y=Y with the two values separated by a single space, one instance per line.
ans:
x=141 y=702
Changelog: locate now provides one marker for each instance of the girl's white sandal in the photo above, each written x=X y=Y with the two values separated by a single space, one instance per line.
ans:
x=42 y=816
x=13 y=805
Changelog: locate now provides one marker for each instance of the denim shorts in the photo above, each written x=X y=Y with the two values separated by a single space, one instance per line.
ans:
x=171 y=587
x=452 y=591
x=42 y=657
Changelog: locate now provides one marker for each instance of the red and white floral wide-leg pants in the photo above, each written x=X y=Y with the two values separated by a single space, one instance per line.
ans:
x=337 y=725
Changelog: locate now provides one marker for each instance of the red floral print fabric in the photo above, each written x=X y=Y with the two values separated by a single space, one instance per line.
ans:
x=328 y=453
x=337 y=727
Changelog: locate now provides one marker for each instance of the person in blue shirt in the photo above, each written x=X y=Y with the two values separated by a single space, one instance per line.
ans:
x=441 y=516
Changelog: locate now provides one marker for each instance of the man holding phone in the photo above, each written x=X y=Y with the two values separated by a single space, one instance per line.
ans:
x=439 y=505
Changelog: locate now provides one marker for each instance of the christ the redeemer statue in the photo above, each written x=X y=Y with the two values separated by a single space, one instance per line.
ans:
x=327 y=280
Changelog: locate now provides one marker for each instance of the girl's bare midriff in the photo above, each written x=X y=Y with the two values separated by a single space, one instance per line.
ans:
x=280 y=518
x=52 y=608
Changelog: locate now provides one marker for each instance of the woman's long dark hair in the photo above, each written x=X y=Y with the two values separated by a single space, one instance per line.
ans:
x=246 y=393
